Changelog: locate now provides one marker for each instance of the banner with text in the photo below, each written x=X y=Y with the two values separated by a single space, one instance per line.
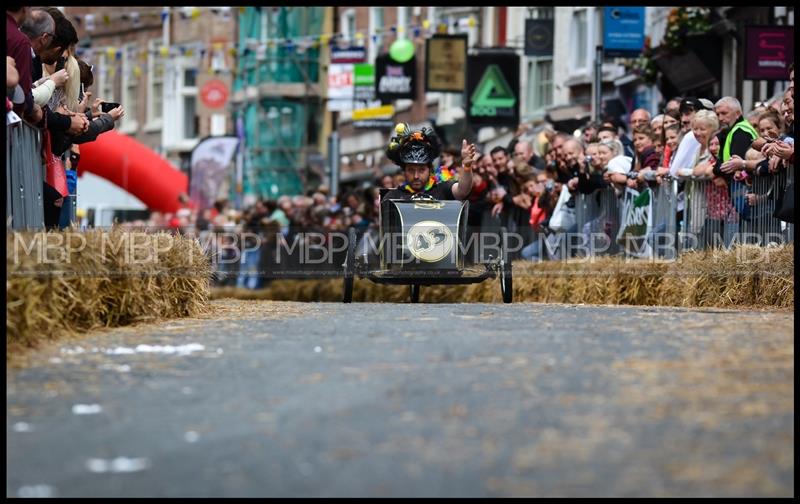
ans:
x=769 y=50
x=340 y=87
x=393 y=80
x=637 y=222
x=623 y=31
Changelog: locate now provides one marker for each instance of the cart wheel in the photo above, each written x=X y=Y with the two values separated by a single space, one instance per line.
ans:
x=349 y=266
x=414 y=293
x=506 y=282
x=506 y=278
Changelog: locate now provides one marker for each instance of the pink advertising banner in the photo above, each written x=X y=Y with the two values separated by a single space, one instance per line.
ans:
x=769 y=52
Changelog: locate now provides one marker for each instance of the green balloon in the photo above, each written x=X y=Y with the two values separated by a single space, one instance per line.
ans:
x=401 y=50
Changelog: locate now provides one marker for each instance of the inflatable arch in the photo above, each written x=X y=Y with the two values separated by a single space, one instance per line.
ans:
x=136 y=168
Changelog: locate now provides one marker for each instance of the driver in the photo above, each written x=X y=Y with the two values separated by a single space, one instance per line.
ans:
x=414 y=152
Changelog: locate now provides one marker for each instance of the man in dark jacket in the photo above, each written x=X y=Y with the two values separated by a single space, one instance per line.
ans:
x=739 y=136
x=18 y=47
x=58 y=124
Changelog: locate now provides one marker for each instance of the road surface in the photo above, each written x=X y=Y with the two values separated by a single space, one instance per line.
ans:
x=275 y=399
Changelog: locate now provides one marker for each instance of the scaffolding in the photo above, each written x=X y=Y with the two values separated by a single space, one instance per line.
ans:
x=277 y=97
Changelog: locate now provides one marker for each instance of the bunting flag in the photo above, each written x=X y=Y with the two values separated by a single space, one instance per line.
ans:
x=136 y=19
x=261 y=49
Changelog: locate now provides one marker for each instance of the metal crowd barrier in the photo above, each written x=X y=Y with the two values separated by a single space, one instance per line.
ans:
x=709 y=217
x=665 y=225
x=597 y=216
x=24 y=177
x=716 y=215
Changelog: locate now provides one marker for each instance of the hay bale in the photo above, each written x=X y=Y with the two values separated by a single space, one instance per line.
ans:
x=63 y=282
x=746 y=276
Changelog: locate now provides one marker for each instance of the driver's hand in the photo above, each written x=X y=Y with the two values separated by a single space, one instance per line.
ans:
x=469 y=155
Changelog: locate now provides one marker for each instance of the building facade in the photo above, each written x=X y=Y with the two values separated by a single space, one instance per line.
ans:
x=277 y=103
x=149 y=59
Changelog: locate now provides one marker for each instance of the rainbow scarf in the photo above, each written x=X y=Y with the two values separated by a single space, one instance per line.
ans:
x=431 y=183
x=444 y=174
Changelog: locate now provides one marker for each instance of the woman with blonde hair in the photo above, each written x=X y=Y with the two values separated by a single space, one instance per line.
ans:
x=704 y=125
x=69 y=94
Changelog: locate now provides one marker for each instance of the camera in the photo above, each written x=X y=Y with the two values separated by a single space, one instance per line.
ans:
x=549 y=186
x=106 y=107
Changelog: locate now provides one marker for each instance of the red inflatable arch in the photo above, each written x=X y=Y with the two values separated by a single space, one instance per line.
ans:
x=136 y=168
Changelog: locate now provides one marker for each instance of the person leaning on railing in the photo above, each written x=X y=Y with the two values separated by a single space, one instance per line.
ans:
x=646 y=158
x=44 y=88
x=19 y=46
x=783 y=147
x=705 y=124
x=618 y=166
x=738 y=139
x=780 y=155
x=590 y=178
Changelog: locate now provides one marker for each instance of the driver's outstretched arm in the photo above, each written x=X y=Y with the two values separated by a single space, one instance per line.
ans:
x=462 y=188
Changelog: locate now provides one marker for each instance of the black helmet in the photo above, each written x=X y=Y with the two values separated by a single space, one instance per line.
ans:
x=413 y=147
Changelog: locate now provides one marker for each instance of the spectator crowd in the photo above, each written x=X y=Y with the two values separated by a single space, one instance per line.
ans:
x=520 y=186
x=49 y=87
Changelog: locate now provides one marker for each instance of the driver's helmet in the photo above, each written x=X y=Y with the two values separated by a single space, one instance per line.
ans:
x=417 y=147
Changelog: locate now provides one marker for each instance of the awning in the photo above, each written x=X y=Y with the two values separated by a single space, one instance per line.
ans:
x=569 y=112
x=626 y=79
x=363 y=175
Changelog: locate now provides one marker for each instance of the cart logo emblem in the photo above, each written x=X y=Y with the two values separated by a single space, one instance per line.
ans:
x=428 y=205
x=430 y=241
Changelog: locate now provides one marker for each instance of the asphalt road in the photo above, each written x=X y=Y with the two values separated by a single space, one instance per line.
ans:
x=288 y=399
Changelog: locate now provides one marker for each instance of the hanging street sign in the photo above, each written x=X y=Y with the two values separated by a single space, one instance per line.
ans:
x=446 y=63
x=623 y=31
x=493 y=89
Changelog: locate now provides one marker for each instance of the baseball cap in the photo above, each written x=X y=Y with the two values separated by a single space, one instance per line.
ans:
x=707 y=104
x=695 y=104
x=620 y=164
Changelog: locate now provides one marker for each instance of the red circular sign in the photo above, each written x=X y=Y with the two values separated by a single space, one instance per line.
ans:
x=214 y=94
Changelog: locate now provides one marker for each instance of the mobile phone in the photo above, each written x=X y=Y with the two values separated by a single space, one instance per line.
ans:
x=106 y=107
